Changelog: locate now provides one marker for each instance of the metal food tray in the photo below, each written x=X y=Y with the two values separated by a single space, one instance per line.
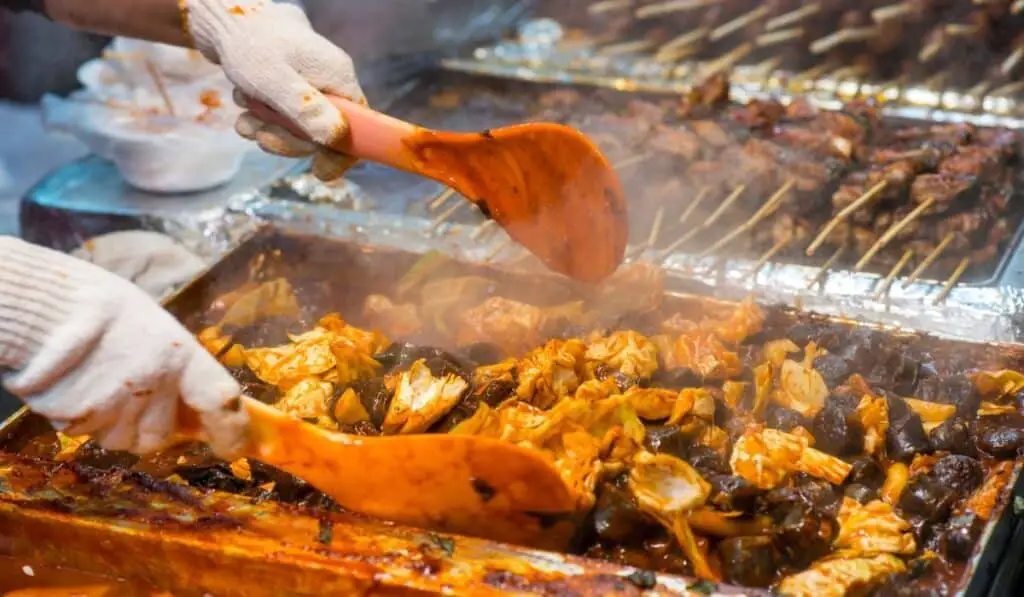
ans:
x=229 y=545
x=424 y=213
x=542 y=51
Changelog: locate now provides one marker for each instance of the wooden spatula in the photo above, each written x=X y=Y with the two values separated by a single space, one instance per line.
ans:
x=546 y=184
x=457 y=483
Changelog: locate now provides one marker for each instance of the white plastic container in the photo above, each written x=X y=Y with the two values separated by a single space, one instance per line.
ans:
x=122 y=114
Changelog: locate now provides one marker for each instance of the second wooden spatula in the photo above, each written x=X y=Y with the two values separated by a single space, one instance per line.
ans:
x=546 y=184
x=463 y=484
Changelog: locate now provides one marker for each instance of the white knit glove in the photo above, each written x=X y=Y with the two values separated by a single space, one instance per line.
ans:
x=96 y=356
x=155 y=262
x=272 y=54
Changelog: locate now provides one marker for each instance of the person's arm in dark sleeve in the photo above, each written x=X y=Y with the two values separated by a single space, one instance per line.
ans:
x=153 y=20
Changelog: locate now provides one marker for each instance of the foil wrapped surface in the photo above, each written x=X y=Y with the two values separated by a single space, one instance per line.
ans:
x=543 y=52
x=985 y=313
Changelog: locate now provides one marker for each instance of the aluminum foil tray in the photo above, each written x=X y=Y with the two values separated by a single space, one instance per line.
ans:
x=542 y=51
x=399 y=209
x=73 y=516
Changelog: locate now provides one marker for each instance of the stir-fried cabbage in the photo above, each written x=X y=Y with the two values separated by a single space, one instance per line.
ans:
x=550 y=373
x=765 y=457
x=627 y=353
x=421 y=399
x=834 y=577
x=873 y=528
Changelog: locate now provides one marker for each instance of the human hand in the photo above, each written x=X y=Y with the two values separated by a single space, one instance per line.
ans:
x=96 y=356
x=272 y=54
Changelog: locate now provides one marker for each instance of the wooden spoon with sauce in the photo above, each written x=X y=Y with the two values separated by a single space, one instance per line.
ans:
x=463 y=484
x=546 y=184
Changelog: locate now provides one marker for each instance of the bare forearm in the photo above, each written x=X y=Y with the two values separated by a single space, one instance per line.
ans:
x=152 y=20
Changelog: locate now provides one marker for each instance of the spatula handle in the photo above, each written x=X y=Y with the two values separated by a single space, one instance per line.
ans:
x=372 y=136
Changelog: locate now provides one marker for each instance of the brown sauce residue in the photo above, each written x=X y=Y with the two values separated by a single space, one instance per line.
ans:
x=546 y=184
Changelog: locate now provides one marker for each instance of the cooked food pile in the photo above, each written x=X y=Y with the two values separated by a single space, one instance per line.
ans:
x=699 y=168
x=724 y=441
x=944 y=42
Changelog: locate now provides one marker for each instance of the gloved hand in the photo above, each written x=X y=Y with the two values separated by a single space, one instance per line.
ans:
x=96 y=356
x=272 y=54
x=155 y=262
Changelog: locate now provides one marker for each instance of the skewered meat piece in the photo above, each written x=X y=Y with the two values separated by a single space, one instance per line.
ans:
x=978 y=161
x=936 y=135
x=944 y=188
x=759 y=114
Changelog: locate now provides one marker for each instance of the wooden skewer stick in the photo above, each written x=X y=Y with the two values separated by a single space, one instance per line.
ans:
x=843 y=36
x=670 y=51
x=634 y=252
x=1008 y=89
x=778 y=37
x=931 y=49
x=701 y=194
x=483 y=229
x=960 y=30
x=980 y=90
x=892 y=12
x=122 y=56
x=161 y=88
x=929 y=259
x=951 y=282
x=892 y=232
x=438 y=202
x=854 y=71
x=766 y=68
x=605 y=6
x=937 y=81
x=763 y=212
x=810 y=74
x=631 y=161
x=679 y=55
x=895 y=271
x=778 y=246
x=792 y=17
x=497 y=250
x=1011 y=62
x=653 y=10
x=441 y=219
x=730 y=27
x=652 y=238
x=728 y=60
x=708 y=222
x=725 y=205
x=626 y=47
x=842 y=215
x=823 y=271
